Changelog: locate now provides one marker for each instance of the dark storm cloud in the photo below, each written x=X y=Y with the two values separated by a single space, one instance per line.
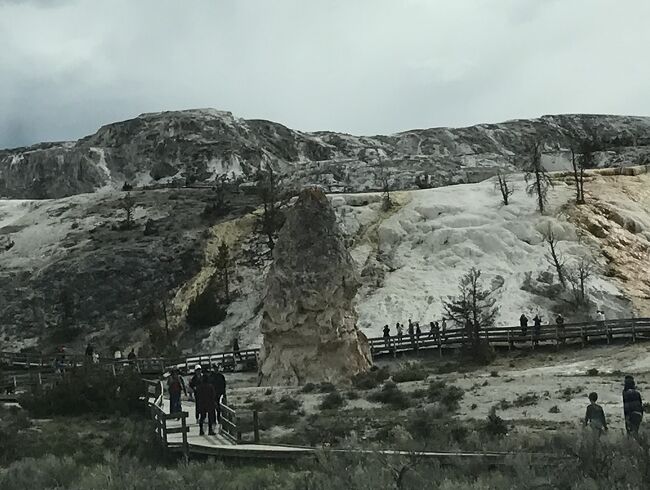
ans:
x=362 y=66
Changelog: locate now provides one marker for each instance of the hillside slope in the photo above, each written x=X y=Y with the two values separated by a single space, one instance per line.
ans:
x=197 y=146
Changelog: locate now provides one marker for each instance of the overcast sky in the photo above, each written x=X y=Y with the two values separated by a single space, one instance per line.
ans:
x=359 y=66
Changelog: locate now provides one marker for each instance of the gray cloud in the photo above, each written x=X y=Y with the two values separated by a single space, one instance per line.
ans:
x=362 y=66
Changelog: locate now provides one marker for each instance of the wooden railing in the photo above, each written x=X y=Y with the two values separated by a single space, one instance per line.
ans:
x=630 y=328
x=231 y=425
x=161 y=419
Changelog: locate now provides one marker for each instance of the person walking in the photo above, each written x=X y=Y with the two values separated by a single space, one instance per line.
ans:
x=418 y=333
x=595 y=415
x=523 y=324
x=175 y=386
x=434 y=331
x=387 y=336
x=218 y=381
x=632 y=406
x=206 y=402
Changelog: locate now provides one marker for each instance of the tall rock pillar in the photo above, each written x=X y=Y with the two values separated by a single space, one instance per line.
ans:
x=309 y=321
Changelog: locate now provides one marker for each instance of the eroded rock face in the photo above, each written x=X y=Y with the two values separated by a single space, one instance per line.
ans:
x=309 y=322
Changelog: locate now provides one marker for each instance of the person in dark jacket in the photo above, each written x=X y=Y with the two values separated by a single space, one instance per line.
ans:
x=632 y=406
x=218 y=381
x=235 y=348
x=537 y=327
x=206 y=402
x=175 y=386
x=559 y=321
x=523 y=323
x=387 y=336
x=595 y=415
x=195 y=381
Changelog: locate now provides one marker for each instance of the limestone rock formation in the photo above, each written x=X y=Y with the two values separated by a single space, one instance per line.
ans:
x=309 y=322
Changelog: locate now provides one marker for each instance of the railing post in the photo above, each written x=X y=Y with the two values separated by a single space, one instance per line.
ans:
x=186 y=446
x=256 y=427
x=557 y=338
x=582 y=335
x=633 y=330
x=238 y=430
x=509 y=339
x=113 y=369
x=40 y=379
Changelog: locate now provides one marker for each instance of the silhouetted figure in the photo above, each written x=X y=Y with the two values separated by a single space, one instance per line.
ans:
x=206 y=402
x=523 y=323
x=632 y=406
x=235 y=348
x=387 y=336
x=411 y=331
x=194 y=383
x=90 y=350
x=418 y=332
x=444 y=329
x=537 y=328
x=400 y=332
x=218 y=381
x=595 y=415
x=132 y=355
x=434 y=331
x=559 y=321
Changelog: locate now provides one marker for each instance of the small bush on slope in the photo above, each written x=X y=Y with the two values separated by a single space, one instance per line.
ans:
x=411 y=372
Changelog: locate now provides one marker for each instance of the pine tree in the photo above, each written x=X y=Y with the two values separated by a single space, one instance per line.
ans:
x=474 y=306
x=223 y=264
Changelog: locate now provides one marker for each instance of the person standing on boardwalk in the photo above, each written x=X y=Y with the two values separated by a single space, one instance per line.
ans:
x=412 y=333
x=418 y=333
x=523 y=323
x=175 y=386
x=537 y=327
x=434 y=331
x=444 y=329
x=195 y=381
x=206 y=402
x=387 y=336
x=559 y=321
x=400 y=332
x=632 y=406
x=595 y=415
x=218 y=381
x=235 y=348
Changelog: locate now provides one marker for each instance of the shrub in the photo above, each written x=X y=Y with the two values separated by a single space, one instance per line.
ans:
x=90 y=389
x=391 y=395
x=308 y=388
x=495 y=425
x=352 y=395
x=289 y=403
x=494 y=374
x=592 y=372
x=448 y=396
x=526 y=400
x=411 y=372
x=371 y=379
x=326 y=387
x=205 y=311
x=554 y=409
x=332 y=401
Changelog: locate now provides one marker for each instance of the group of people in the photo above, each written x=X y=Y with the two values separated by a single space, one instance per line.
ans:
x=437 y=331
x=632 y=410
x=207 y=388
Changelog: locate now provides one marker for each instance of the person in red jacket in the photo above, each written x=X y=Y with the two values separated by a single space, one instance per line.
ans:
x=206 y=403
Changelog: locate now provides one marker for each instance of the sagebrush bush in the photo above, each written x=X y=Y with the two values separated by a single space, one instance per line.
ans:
x=370 y=379
x=410 y=372
x=390 y=394
x=332 y=401
x=447 y=395
x=86 y=390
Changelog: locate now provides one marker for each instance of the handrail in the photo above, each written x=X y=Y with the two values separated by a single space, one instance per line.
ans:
x=510 y=335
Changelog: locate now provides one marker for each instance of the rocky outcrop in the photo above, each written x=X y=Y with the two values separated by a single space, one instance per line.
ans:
x=309 y=322
x=197 y=146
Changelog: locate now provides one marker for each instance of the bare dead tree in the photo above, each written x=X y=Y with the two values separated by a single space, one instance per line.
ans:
x=578 y=176
x=505 y=186
x=537 y=178
x=224 y=265
x=267 y=189
x=383 y=178
x=578 y=275
x=554 y=257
